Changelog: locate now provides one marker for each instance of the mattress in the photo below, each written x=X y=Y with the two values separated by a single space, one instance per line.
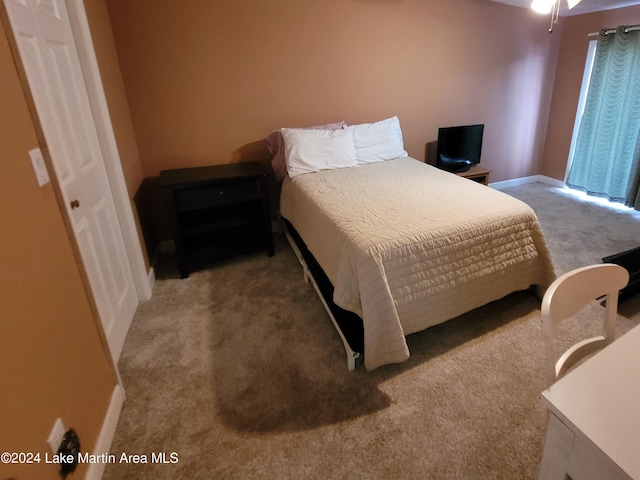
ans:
x=408 y=246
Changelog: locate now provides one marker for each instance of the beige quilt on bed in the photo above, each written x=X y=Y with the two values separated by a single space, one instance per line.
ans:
x=408 y=246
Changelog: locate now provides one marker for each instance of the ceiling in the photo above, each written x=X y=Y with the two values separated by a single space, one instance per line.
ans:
x=586 y=6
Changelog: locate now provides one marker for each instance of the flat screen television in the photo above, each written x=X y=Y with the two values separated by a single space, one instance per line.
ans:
x=459 y=147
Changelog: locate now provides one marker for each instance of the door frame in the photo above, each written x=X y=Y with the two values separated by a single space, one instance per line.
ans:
x=582 y=100
x=143 y=281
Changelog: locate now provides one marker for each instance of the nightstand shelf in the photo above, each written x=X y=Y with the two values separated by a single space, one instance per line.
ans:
x=477 y=174
x=217 y=211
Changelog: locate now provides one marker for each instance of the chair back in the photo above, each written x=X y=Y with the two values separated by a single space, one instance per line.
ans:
x=569 y=294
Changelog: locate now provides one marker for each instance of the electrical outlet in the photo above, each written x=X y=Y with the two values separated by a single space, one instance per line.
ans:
x=68 y=453
x=65 y=444
x=55 y=437
x=39 y=166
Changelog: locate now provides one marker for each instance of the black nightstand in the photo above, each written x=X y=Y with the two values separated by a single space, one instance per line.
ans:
x=218 y=211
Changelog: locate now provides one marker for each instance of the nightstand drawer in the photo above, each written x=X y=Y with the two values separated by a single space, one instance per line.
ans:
x=208 y=195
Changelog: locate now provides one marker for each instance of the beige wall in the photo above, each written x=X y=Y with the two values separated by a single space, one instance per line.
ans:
x=207 y=79
x=114 y=91
x=570 y=69
x=52 y=361
x=116 y=100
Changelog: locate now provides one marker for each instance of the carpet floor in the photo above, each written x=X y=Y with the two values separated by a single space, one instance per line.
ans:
x=238 y=372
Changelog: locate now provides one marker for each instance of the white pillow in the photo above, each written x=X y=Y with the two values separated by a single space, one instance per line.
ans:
x=378 y=141
x=309 y=151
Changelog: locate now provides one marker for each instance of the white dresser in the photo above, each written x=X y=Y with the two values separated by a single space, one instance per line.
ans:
x=594 y=417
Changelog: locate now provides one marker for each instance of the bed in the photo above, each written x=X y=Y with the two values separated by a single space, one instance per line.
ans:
x=406 y=246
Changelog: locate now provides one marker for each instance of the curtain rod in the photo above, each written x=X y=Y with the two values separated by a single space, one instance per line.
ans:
x=613 y=30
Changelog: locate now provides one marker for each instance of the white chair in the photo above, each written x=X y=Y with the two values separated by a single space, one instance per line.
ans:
x=569 y=294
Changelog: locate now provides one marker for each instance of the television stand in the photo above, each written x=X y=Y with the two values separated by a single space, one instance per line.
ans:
x=477 y=174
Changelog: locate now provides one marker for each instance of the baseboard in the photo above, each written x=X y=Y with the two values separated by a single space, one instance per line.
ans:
x=525 y=180
x=552 y=181
x=151 y=278
x=107 y=432
x=515 y=182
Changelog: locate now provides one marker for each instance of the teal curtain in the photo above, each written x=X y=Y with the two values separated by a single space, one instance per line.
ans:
x=606 y=156
x=633 y=195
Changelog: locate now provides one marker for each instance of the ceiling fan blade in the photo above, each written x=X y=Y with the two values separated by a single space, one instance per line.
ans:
x=573 y=3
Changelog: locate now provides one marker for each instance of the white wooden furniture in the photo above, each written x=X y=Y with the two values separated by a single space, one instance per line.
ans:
x=569 y=294
x=594 y=424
